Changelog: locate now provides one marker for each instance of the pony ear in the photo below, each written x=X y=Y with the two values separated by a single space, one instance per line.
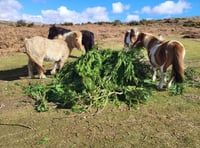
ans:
x=132 y=30
x=75 y=34
x=161 y=37
x=135 y=32
x=60 y=36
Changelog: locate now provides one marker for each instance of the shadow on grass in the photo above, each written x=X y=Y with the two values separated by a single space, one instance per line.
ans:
x=13 y=74
x=17 y=73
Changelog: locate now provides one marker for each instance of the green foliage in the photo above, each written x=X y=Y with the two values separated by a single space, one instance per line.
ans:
x=177 y=89
x=191 y=80
x=67 y=24
x=30 y=24
x=133 y=23
x=191 y=74
x=38 y=93
x=96 y=78
x=43 y=140
x=102 y=76
x=117 y=23
x=192 y=77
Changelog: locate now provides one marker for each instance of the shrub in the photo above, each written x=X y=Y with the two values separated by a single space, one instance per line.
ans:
x=117 y=22
x=21 y=23
x=30 y=24
x=133 y=23
x=67 y=24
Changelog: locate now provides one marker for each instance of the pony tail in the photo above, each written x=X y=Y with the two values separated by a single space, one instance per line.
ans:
x=178 y=64
x=36 y=62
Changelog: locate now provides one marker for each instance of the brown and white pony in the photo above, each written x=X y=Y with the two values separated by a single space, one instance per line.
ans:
x=162 y=54
x=41 y=49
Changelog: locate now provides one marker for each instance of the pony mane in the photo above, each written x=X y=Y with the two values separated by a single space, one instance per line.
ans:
x=65 y=35
x=157 y=38
x=59 y=36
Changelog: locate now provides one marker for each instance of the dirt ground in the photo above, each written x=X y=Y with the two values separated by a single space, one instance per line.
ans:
x=162 y=122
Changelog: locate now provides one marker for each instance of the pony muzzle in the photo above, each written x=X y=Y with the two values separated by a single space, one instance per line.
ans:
x=81 y=48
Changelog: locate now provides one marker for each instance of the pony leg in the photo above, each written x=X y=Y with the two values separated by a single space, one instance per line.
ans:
x=163 y=76
x=53 y=71
x=40 y=71
x=170 y=80
x=62 y=61
x=41 y=74
x=160 y=87
x=61 y=65
x=30 y=68
x=154 y=74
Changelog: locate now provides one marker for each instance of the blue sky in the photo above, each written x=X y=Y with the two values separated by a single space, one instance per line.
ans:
x=80 y=11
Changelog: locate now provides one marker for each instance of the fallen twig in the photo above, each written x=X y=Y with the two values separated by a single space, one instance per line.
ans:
x=15 y=124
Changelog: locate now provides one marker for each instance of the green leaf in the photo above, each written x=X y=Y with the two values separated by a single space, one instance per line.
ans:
x=44 y=140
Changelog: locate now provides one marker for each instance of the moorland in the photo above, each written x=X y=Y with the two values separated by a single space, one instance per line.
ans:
x=163 y=121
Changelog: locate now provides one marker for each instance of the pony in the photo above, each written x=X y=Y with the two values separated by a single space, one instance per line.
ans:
x=162 y=54
x=129 y=38
x=87 y=36
x=41 y=49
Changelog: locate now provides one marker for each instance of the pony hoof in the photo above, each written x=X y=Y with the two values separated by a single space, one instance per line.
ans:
x=159 y=88
x=52 y=72
x=42 y=77
x=31 y=76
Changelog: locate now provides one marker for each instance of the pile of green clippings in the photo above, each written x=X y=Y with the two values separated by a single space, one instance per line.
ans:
x=96 y=78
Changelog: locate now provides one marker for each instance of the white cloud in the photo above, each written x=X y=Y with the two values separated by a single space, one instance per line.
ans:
x=167 y=7
x=118 y=7
x=62 y=14
x=32 y=18
x=130 y=18
x=146 y=9
x=9 y=9
x=96 y=14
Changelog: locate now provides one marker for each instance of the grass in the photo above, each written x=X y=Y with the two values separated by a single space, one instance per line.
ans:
x=164 y=121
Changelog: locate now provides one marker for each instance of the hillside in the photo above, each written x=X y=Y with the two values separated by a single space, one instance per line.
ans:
x=106 y=34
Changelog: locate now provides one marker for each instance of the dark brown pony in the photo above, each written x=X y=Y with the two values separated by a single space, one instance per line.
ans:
x=162 y=54
x=87 y=36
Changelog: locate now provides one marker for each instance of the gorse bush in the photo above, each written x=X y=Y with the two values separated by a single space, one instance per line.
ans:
x=96 y=78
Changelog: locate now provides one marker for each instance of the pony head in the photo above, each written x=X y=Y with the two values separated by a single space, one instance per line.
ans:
x=78 y=40
x=130 y=37
x=54 y=31
x=74 y=40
